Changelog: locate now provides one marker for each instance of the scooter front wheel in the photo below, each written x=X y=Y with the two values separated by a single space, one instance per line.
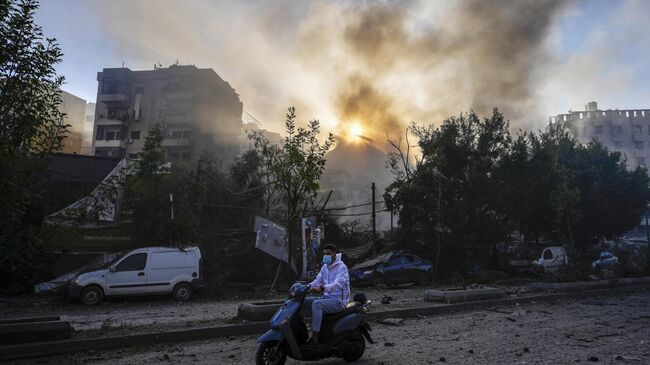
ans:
x=270 y=353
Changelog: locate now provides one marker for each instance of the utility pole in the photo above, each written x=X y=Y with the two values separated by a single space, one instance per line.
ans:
x=392 y=238
x=171 y=230
x=374 y=230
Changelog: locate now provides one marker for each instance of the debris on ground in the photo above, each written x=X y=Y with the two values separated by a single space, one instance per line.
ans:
x=392 y=321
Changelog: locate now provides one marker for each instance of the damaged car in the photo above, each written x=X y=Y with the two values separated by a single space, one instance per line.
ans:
x=143 y=271
x=605 y=262
x=395 y=267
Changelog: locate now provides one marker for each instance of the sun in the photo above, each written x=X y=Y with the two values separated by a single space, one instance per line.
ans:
x=356 y=131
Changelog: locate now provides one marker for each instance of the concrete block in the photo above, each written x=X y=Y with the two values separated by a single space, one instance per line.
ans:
x=459 y=296
x=255 y=312
x=34 y=332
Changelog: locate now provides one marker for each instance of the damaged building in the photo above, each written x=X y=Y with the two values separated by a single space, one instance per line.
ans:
x=624 y=131
x=197 y=110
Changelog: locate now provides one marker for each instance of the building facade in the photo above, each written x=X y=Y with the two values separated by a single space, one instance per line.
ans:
x=89 y=128
x=74 y=107
x=197 y=110
x=624 y=131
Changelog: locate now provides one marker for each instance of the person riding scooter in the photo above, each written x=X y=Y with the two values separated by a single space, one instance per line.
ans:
x=334 y=280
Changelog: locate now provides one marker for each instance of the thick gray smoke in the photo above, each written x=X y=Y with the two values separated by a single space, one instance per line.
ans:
x=481 y=55
x=375 y=64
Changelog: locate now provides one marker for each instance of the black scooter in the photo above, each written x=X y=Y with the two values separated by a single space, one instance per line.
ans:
x=342 y=334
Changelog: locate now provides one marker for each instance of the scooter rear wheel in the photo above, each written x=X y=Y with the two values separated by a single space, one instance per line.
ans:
x=270 y=353
x=360 y=348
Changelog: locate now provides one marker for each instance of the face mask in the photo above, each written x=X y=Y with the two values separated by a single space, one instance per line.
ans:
x=327 y=259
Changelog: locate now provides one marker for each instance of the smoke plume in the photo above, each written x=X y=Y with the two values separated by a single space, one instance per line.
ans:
x=376 y=64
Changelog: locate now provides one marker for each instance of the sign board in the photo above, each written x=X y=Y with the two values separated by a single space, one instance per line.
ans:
x=272 y=239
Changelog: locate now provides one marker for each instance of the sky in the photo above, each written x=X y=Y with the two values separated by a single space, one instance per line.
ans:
x=374 y=65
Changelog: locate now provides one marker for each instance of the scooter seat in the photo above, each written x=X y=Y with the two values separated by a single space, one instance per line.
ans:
x=332 y=317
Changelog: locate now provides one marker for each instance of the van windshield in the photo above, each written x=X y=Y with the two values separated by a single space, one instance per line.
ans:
x=104 y=261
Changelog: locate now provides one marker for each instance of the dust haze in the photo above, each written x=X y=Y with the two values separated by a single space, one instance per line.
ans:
x=378 y=64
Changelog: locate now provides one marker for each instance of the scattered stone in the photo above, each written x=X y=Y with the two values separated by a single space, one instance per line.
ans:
x=165 y=356
x=526 y=349
x=389 y=344
x=511 y=319
x=231 y=356
x=392 y=321
x=442 y=359
x=386 y=300
x=471 y=351
x=593 y=358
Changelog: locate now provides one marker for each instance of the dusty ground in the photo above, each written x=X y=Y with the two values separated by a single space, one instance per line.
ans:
x=610 y=330
x=128 y=315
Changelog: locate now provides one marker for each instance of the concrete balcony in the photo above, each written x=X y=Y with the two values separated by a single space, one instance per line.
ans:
x=107 y=121
x=113 y=143
x=112 y=97
x=176 y=142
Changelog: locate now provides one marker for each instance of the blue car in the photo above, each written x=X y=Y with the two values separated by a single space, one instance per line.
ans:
x=606 y=261
x=395 y=267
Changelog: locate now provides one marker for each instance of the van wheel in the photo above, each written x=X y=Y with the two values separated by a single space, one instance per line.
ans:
x=92 y=295
x=182 y=291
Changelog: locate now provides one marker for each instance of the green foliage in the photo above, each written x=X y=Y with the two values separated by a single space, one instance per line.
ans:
x=543 y=185
x=31 y=126
x=294 y=168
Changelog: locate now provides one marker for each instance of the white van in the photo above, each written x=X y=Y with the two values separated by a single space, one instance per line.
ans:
x=149 y=270
x=552 y=259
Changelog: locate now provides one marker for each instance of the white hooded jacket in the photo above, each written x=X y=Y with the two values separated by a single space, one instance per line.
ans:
x=336 y=281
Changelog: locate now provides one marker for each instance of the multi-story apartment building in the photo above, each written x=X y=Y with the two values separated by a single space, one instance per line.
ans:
x=625 y=131
x=89 y=127
x=196 y=108
x=74 y=108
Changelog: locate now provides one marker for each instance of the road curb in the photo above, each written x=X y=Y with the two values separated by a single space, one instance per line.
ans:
x=31 y=350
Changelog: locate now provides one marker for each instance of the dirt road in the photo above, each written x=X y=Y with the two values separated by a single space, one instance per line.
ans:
x=610 y=330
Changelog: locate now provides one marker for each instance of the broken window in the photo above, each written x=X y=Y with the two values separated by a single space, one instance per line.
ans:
x=617 y=129
x=618 y=145
x=135 y=134
x=598 y=129
x=187 y=134
x=638 y=129
x=638 y=145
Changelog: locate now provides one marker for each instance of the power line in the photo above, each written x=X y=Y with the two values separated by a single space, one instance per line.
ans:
x=359 y=214
x=354 y=206
x=117 y=186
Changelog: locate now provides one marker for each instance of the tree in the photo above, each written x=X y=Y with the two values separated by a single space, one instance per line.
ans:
x=464 y=151
x=294 y=169
x=31 y=126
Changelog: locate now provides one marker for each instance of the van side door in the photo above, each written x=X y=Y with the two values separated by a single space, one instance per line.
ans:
x=129 y=276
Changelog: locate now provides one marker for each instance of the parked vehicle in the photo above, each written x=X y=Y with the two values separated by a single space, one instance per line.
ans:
x=552 y=259
x=606 y=261
x=395 y=267
x=150 y=270
x=342 y=334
